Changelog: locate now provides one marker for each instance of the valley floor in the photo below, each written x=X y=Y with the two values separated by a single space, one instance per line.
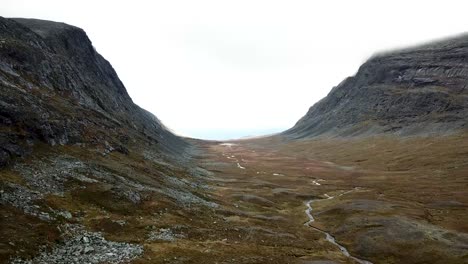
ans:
x=377 y=200
x=385 y=200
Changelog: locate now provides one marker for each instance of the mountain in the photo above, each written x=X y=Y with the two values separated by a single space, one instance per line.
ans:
x=417 y=91
x=57 y=89
x=87 y=176
x=76 y=151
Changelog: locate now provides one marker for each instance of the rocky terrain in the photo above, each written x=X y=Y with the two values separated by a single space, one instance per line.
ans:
x=86 y=176
x=418 y=91
x=73 y=146
x=56 y=89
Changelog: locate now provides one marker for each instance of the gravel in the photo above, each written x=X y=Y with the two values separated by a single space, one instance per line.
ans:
x=23 y=199
x=164 y=234
x=81 y=246
x=49 y=176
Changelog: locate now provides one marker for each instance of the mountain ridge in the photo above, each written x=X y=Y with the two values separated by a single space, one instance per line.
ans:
x=63 y=90
x=413 y=91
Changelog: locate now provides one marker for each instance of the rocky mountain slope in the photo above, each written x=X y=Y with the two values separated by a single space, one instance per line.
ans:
x=417 y=91
x=57 y=89
x=77 y=156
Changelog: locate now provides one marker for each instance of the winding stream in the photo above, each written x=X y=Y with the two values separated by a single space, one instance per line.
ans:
x=232 y=156
x=328 y=236
x=240 y=166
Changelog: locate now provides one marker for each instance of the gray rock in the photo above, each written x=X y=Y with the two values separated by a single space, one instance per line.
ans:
x=65 y=214
x=96 y=250
x=24 y=199
x=419 y=91
x=76 y=91
x=88 y=249
x=164 y=234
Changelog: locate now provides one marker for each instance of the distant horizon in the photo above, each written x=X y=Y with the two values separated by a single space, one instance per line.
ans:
x=222 y=70
x=227 y=135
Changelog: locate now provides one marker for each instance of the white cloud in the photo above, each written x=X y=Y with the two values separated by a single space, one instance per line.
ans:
x=207 y=67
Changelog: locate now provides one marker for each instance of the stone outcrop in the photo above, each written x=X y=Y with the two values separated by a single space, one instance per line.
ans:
x=417 y=91
x=57 y=89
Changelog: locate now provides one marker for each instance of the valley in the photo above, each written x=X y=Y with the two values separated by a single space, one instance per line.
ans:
x=376 y=172
x=368 y=217
x=269 y=200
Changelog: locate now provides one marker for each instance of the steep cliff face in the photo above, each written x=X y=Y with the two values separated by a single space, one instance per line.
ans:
x=57 y=89
x=76 y=151
x=418 y=91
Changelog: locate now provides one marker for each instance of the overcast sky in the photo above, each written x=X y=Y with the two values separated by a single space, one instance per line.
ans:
x=228 y=69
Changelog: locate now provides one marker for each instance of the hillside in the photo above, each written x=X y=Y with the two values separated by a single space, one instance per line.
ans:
x=417 y=91
x=57 y=89
x=87 y=176
x=76 y=154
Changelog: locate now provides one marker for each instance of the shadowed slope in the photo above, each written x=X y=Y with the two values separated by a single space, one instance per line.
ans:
x=57 y=89
x=417 y=91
